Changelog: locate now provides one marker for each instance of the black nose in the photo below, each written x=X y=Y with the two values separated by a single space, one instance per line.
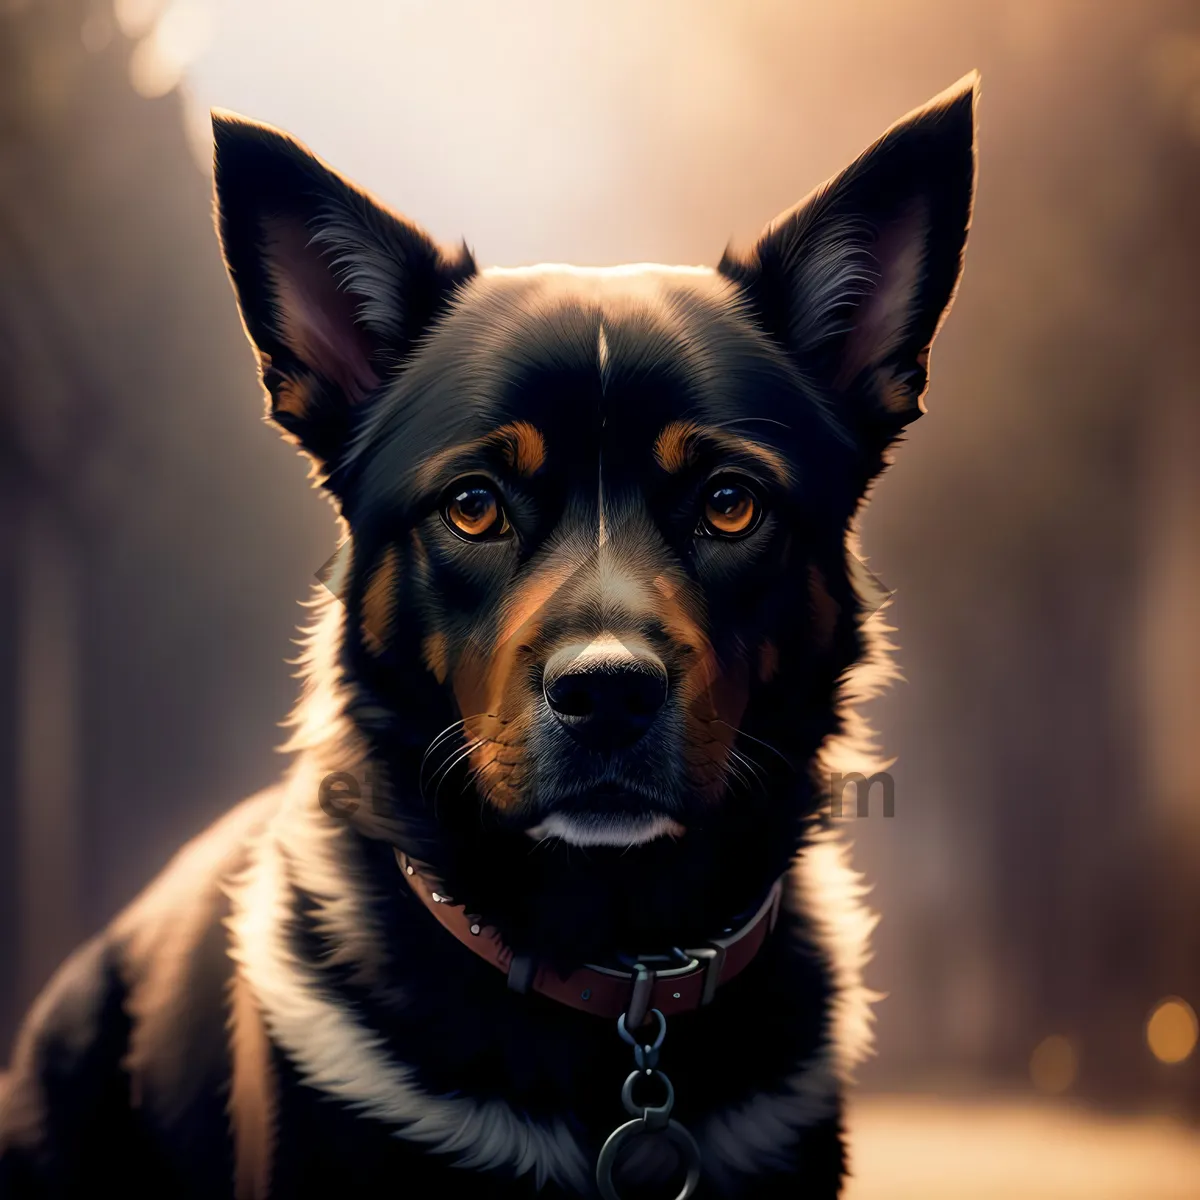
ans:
x=607 y=693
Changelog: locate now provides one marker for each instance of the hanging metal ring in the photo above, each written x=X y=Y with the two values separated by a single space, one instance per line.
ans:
x=672 y=1131
x=648 y=1119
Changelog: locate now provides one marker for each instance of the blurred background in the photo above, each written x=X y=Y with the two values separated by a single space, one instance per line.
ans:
x=1040 y=880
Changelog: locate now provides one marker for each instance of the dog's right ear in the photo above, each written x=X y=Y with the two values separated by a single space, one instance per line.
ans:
x=855 y=281
x=334 y=289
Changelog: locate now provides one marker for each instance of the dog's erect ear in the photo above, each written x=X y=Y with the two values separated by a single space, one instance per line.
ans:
x=855 y=280
x=334 y=289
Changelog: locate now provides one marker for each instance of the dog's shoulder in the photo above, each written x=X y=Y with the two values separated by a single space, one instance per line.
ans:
x=64 y=1094
x=173 y=946
x=127 y=1042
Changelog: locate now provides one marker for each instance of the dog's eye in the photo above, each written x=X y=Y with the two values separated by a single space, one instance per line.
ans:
x=731 y=509
x=473 y=510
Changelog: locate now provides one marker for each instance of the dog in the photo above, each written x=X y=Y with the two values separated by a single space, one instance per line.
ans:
x=548 y=901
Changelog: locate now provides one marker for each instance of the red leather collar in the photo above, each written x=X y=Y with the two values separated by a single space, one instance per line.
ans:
x=681 y=981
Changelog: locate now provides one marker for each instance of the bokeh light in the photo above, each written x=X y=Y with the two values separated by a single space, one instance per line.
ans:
x=159 y=60
x=136 y=16
x=1172 y=1031
x=1054 y=1065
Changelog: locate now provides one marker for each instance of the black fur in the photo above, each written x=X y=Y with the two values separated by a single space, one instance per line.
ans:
x=393 y=363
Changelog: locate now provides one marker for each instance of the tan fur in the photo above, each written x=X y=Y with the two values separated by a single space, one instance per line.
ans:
x=523 y=446
x=436 y=660
x=294 y=397
x=713 y=698
x=252 y=1095
x=673 y=447
x=496 y=709
x=680 y=444
x=379 y=601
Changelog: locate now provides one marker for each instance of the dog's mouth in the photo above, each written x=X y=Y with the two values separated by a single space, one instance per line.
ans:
x=605 y=815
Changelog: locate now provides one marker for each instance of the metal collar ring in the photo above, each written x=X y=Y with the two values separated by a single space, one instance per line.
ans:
x=675 y=1133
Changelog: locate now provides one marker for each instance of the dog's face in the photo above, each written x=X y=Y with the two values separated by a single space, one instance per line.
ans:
x=598 y=517
x=597 y=522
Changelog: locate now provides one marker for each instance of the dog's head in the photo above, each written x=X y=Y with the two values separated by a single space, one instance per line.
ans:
x=598 y=517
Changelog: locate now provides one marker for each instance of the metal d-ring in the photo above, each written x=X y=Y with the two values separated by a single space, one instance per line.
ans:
x=672 y=1131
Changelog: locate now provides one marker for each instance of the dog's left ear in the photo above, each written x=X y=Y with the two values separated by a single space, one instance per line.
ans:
x=856 y=279
x=333 y=288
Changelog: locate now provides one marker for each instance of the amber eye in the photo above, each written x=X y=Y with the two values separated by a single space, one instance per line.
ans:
x=473 y=510
x=730 y=509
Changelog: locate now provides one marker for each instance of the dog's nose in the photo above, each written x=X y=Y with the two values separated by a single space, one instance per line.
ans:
x=607 y=692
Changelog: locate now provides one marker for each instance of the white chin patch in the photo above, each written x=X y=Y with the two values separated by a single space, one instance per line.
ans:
x=617 y=830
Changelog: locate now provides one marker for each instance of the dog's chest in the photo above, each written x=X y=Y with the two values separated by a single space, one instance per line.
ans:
x=322 y=1144
x=516 y=1106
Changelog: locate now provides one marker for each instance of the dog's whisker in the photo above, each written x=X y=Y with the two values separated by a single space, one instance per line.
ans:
x=750 y=737
x=447 y=768
x=456 y=725
x=746 y=759
x=756 y=780
x=475 y=773
x=732 y=769
x=442 y=738
x=458 y=756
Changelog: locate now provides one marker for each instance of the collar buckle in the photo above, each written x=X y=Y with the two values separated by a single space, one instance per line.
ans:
x=713 y=958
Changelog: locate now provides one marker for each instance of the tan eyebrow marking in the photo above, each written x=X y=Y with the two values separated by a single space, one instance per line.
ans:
x=673 y=449
x=679 y=444
x=521 y=444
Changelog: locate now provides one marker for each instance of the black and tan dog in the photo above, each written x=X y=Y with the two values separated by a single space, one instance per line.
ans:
x=598 y=624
